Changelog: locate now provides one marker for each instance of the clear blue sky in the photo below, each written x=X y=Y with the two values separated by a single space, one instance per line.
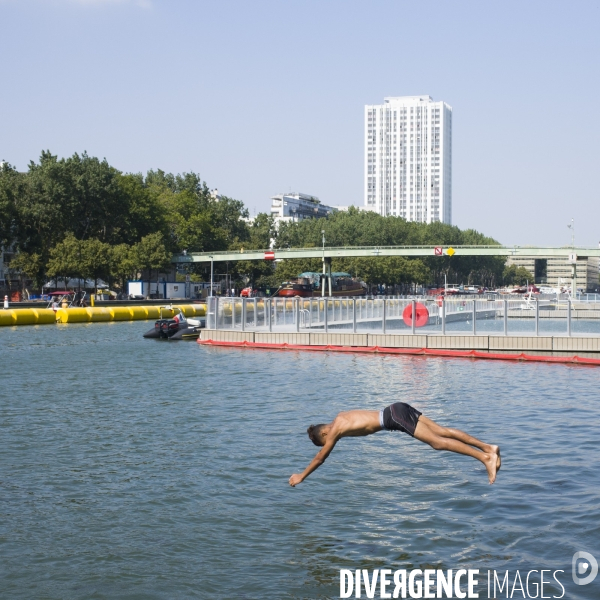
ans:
x=261 y=97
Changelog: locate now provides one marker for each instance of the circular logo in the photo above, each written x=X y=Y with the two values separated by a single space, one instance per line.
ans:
x=582 y=561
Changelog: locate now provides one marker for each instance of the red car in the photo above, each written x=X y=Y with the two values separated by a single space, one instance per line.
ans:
x=248 y=292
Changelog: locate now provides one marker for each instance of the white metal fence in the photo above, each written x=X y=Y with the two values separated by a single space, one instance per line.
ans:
x=394 y=315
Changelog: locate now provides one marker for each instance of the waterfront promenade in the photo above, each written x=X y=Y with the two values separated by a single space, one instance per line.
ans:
x=501 y=329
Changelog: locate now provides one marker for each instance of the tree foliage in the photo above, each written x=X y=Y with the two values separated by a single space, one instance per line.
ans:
x=363 y=228
x=514 y=275
x=81 y=217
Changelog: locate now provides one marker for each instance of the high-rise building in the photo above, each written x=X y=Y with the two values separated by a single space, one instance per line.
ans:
x=408 y=159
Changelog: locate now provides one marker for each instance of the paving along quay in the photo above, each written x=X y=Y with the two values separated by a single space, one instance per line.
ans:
x=460 y=326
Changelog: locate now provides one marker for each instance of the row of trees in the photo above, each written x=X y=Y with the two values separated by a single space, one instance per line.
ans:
x=81 y=217
x=93 y=260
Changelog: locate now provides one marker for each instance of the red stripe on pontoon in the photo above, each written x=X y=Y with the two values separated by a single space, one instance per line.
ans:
x=410 y=351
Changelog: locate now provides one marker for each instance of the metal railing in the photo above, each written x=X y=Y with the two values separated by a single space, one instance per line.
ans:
x=521 y=316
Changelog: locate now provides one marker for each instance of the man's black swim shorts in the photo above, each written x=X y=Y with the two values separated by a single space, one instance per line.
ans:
x=399 y=417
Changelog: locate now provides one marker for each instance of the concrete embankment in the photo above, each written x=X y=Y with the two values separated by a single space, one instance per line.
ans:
x=94 y=314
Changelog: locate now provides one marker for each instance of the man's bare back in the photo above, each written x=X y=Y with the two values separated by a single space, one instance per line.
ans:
x=355 y=423
x=397 y=417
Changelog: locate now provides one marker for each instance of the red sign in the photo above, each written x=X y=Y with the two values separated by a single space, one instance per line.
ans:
x=269 y=255
x=439 y=251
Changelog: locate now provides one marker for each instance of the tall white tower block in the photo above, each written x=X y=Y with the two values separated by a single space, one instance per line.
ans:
x=408 y=159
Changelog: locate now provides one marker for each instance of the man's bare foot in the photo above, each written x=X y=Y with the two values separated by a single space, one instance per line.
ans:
x=491 y=462
x=496 y=450
x=493 y=449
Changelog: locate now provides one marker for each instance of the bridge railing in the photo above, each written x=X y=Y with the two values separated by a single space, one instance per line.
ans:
x=336 y=248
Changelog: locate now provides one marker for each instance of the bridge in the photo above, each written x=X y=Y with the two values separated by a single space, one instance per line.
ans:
x=374 y=251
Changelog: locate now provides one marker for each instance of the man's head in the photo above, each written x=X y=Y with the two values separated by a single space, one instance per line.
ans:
x=316 y=434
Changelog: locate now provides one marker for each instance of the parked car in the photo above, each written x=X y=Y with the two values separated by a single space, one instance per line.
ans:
x=248 y=292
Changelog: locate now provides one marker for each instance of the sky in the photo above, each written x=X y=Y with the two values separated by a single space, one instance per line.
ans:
x=262 y=97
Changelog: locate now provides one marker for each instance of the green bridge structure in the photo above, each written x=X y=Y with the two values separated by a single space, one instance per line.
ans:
x=329 y=252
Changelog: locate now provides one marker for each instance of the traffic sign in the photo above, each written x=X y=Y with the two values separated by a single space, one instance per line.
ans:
x=269 y=255
x=438 y=251
x=450 y=251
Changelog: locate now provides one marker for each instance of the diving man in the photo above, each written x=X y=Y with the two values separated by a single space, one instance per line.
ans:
x=397 y=417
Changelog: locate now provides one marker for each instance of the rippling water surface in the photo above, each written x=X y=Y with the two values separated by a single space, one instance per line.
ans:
x=135 y=468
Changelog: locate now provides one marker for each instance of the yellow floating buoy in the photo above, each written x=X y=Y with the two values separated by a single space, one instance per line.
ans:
x=94 y=314
x=138 y=313
x=72 y=315
x=120 y=313
x=44 y=316
x=99 y=314
x=25 y=316
x=7 y=318
x=152 y=312
x=192 y=310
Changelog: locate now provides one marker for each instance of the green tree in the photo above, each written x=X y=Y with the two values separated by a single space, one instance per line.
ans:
x=94 y=260
x=144 y=213
x=196 y=221
x=80 y=194
x=12 y=186
x=26 y=265
x=150 y=254
x=514 y=275
x=79 y=259
x=59 y=213
x=65 y=259
x=123 y=263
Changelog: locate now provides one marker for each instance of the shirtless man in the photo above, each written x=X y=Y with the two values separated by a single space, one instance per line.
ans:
x=397 y=417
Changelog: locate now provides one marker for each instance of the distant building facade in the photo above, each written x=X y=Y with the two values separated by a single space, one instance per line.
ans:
x=295 y=207
x=555 y=272
x=408 y=159
x=344 y=208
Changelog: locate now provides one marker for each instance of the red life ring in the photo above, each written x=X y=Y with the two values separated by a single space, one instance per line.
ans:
x=421 y=315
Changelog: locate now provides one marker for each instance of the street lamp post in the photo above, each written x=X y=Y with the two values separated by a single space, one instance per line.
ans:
x=323 y=278
x=211 y=275
x=572 y=228
x=573 y=262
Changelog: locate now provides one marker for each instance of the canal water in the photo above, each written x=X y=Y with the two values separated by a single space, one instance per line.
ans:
x=136 y=468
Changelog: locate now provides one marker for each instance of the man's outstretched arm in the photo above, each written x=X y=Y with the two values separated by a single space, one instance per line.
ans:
x=315 y=463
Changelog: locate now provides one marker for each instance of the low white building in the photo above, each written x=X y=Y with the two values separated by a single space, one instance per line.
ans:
x=294 y=207
x=343 y=208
